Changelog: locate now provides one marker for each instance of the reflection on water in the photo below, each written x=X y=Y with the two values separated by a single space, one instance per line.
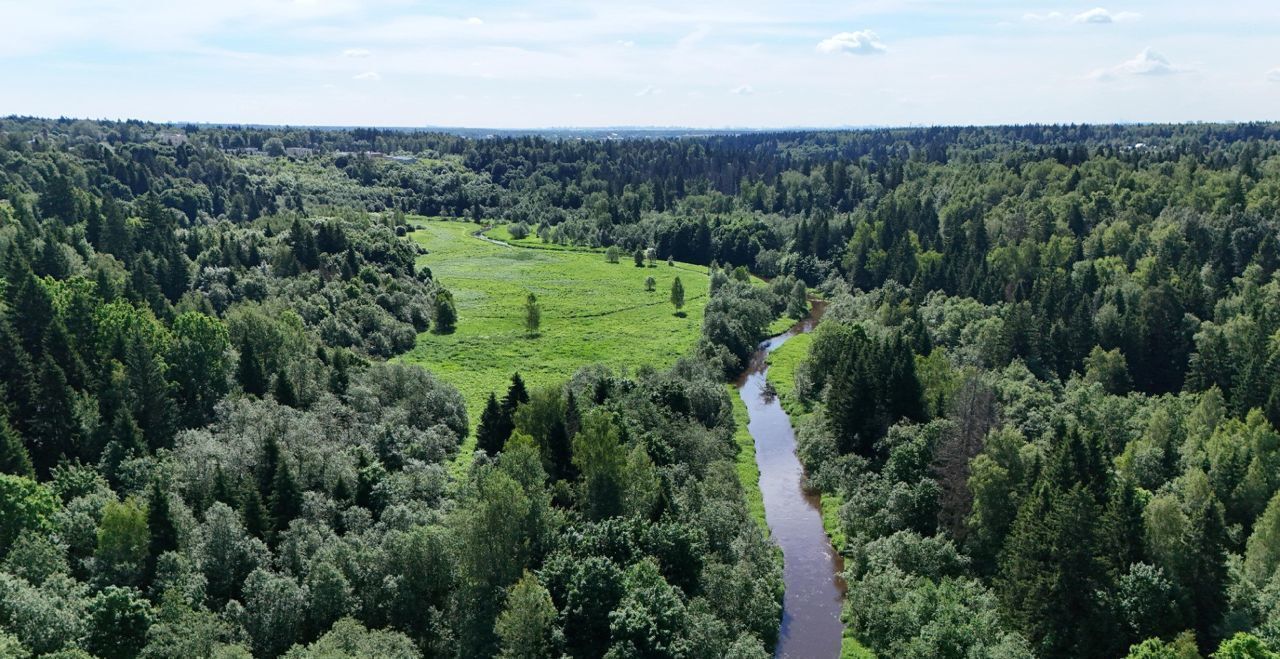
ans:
x=811 y=625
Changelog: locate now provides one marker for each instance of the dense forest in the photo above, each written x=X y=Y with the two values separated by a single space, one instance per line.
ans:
x=1046 y=390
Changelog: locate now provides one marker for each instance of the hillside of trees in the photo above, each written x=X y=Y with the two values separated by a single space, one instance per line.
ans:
x=1047 y=391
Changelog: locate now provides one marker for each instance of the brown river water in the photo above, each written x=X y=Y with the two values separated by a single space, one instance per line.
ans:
x=811 y=627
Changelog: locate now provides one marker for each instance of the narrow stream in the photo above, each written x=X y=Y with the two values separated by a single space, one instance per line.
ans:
x=811 y=626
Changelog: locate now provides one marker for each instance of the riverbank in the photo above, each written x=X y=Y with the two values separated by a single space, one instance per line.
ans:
x=813 y=597
x=782 y=363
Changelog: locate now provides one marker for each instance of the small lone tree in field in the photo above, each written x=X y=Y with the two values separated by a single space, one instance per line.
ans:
x=611 y=254
x=639 y=257
x=671 y=261
x=652 y=255
x=446 y=314
x=677 y=295
x=650 y=283
x=532 y=315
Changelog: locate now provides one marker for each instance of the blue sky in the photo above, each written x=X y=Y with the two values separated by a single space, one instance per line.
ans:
x=606 y=63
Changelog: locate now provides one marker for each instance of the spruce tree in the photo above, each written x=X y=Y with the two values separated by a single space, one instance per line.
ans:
x=284 y=392
x=256 y=520
x=446 y=314
x=252 y=378
x=221 y=490
x=494 y=424
x=268 y=464
x=14 y=459
x=572 y=415
x=152 y=402
x=55 y=433
x=164 y=534
x=517 y=395
x=286 y=498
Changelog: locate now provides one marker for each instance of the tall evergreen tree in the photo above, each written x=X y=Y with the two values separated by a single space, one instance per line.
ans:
x=13 y=454
x=494 y=428
x=164 y=533
x=252 y=377
x=286 y=498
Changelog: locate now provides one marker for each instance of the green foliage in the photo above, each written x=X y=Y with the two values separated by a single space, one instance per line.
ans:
x=348 y=639
x=526 y=626
x=119 y=620
x=677 y=294
x=1181 y=647
x=123 y=540
x=26 y=506
x=1244 y=646
x=601 y=459
x=14 y=459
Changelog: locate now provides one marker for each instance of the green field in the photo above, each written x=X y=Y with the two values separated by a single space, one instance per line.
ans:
x=592 y=312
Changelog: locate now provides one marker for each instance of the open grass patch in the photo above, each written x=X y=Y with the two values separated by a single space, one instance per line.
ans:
x=592 y=312
x=748 y=470
x=782 y=372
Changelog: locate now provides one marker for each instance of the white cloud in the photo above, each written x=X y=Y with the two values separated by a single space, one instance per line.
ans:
x=1273 y=75
x=1100 y=16
x=626 y=43
x=649 y=91
x=1146 y=63
x=367 y=75
x=694 y=38
x=743 y=90
x=355 y=52
x=1040 y=18
x=862 y=42
x=475 y=20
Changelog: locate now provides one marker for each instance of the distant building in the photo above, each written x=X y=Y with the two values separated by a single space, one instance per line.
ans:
x=298 y=151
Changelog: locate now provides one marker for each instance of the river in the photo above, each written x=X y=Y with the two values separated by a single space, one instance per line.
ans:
x=811 y=626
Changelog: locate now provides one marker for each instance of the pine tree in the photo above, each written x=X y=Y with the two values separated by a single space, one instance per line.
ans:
x=572 y=415
x=342 y=492
x=256 y=521
x=152 y=402
x=494 y=427
x=284 y=392
x=221 y=490
x=14 y=459
x=304 y=246
x=517 y=395
x=252 y=378
x=164 y=534
x=286 y=498
x=268 y=464
x=55 y=433
x=339 y=377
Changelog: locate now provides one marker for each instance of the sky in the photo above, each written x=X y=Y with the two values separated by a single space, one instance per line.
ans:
x=589 y=63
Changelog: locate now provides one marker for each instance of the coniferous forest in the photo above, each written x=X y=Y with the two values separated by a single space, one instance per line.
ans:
x=1043 y=401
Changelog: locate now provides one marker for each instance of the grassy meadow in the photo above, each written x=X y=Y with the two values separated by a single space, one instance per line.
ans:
x=592 y=312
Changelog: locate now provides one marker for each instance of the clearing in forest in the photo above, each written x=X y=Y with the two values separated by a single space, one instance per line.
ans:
x=592 y=311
